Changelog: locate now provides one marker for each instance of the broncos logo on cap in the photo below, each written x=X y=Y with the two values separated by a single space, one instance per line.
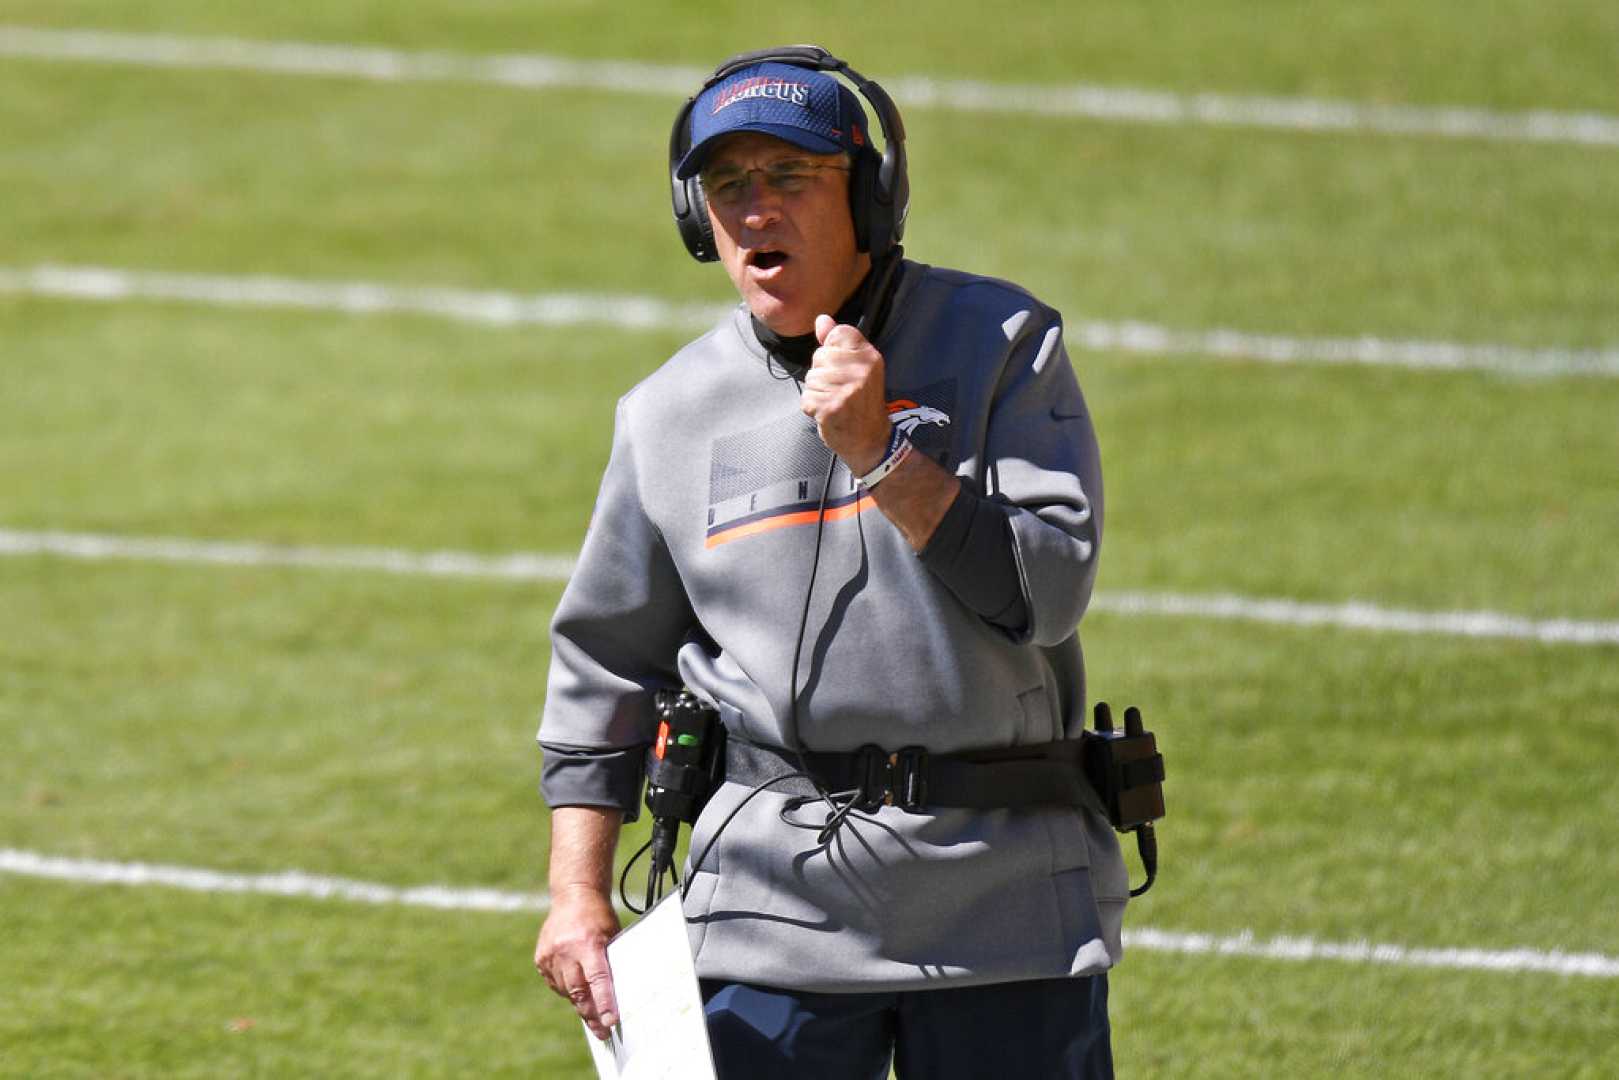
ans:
x=763 y=86
x=907 y=415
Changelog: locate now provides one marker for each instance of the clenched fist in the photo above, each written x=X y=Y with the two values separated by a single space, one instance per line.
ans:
x=844 y=394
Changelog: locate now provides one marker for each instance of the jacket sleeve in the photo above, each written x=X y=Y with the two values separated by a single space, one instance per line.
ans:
x=971 y=553
x=1042 y=462
x=614 y=637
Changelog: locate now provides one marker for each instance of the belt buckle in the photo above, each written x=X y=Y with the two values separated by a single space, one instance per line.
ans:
x=908 y=778
x=874 y=770
x=897 y=778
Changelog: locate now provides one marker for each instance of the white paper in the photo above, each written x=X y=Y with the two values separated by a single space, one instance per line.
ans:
x=661 y=1034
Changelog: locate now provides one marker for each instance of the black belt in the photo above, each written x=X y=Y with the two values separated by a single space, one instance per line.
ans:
x=1040 y=774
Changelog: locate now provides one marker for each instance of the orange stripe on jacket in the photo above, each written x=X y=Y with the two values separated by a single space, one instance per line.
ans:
x=781 y=521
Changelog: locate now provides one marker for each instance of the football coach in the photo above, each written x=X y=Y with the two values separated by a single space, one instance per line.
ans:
x=860 y=519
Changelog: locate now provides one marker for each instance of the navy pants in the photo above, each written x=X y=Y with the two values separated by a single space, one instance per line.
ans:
x=1048 y=1029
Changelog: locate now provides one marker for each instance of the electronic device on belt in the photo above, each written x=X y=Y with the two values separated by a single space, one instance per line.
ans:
x=688 y=762
x=1127 y=772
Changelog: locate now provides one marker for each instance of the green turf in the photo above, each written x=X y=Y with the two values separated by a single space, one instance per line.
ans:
x=154 y=983
x=291 y=428
x=1419 y=791
x=1324 y=783
x=1439 y=491
x=1375 y=786
x=1175 y=1017
x=341 y=723
x=486 y=187
x=414 y=433
x=1517 y=53
x=214 y=716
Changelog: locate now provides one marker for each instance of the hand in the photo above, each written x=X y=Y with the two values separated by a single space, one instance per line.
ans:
x=844 y=394
x=572 y=955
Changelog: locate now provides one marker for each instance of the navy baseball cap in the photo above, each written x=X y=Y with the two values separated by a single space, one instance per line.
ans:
x=807 y=108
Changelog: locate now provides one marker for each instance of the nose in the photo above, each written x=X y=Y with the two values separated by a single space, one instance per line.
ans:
x=761 y=207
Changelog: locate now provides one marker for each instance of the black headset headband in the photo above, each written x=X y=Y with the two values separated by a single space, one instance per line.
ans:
x=879 y=195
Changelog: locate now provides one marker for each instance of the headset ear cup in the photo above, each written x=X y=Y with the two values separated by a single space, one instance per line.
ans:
x=686 y=196
x=897 y=206
x=696 y=228
x=873 y=225
x=860 y=201
x=706 y=249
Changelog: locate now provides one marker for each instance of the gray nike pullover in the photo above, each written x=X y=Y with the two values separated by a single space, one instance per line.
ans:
x=694 y=571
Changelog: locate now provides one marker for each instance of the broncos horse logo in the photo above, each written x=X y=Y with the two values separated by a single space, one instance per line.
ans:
x=907 y=415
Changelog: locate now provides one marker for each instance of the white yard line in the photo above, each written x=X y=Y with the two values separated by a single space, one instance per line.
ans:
x=104 y=284
x=1365 y=952
x=285 y=883
x=296 y=883
x=519 y=567
x=557 y=568
x=1111 y=103
x=1222 y=344
x=1360 y=616
x=358 y=298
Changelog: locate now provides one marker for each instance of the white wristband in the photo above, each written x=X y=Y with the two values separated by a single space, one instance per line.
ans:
x=899 y=448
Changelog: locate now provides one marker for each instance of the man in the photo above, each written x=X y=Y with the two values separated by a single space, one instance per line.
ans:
x=962 y=929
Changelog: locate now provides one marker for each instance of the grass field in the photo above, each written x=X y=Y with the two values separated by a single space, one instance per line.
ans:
x=1432 y=791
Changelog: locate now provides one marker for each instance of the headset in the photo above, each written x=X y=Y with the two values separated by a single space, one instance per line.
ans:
x=879 y=189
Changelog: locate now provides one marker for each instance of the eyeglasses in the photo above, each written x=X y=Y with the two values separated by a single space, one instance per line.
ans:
x=727 y=186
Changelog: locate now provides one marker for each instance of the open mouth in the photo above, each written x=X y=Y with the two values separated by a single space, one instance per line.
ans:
x=769 y=260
